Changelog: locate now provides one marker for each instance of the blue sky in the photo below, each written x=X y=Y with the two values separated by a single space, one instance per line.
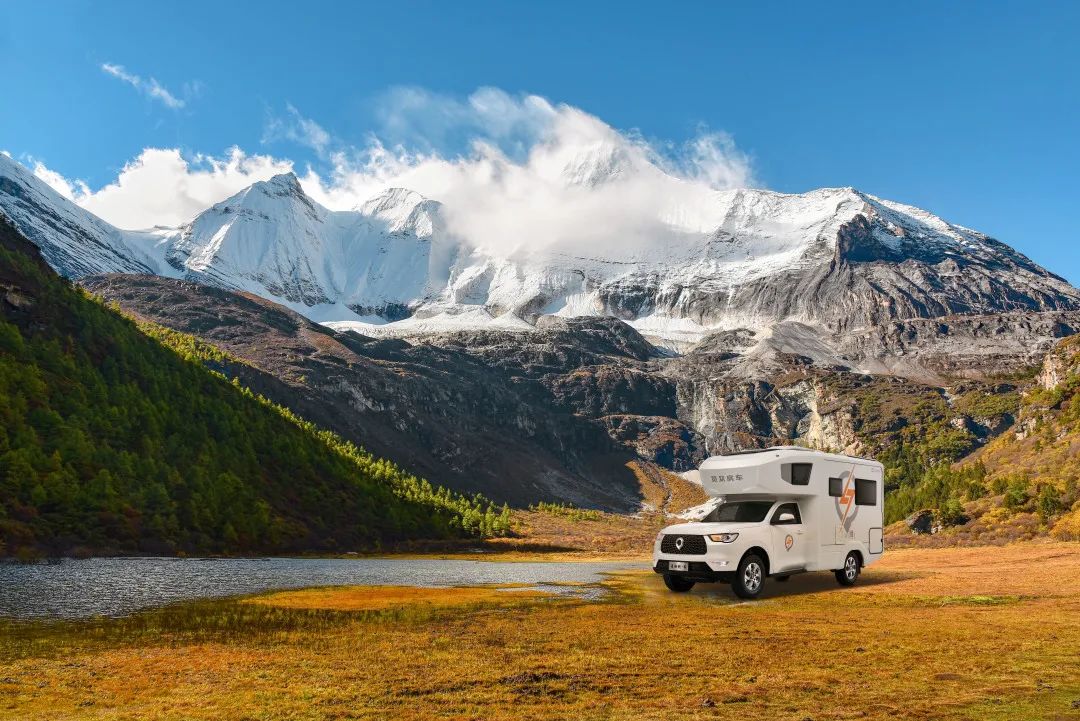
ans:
x=968 y=110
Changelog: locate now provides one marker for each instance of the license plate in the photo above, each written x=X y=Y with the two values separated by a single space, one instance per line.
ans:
x=678 y=566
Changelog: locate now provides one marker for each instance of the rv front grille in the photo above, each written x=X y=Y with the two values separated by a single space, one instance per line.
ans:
x=683 y=545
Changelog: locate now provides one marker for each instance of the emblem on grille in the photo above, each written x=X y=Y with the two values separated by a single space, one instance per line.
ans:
x=678 y=543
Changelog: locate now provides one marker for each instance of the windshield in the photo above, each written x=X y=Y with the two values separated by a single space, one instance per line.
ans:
x=739 y=512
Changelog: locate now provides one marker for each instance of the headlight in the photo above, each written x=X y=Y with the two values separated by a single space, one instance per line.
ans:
x=723 y=537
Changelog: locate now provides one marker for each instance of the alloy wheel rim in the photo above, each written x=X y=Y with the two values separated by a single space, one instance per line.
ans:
x=850 y=567
x=752 y=576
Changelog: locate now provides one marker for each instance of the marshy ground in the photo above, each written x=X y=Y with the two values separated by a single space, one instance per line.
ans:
x=971 y=633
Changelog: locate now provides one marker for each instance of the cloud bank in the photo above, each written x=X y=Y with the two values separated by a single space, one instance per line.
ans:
x=514 y=172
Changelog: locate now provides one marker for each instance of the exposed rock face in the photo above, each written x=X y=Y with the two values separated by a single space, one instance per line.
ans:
x=1058 y=365
x=972 y=346
x=921 y=521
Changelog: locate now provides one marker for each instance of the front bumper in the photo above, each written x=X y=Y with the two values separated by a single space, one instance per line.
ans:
x=708 y=567
x=698 y=571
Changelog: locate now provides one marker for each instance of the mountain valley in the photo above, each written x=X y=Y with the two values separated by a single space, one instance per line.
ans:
x=832 y=319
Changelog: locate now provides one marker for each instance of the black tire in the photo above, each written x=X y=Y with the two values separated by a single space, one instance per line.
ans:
x=847 y=575
x=750 y=577
x=783 y=578
x=678 y=584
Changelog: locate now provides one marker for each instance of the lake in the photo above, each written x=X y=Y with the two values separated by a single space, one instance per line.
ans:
x=82 y=588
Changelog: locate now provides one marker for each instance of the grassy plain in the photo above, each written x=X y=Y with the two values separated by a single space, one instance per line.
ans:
x=967 y=633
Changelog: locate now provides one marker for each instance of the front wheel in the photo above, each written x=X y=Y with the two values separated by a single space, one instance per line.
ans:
x=846 y=576
x=749 y=578
x=678 y=584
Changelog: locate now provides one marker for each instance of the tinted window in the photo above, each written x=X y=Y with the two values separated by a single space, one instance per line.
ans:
x=740 y=512
x=797 y=474
x=836 y=487
x=792 y=508
x=865 y=492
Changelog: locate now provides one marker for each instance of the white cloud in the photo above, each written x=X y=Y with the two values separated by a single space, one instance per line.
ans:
x=529 y=174
x=418 y=118
x=161 y=187
x=298 y=129
x=70 y=189
x=536 y=174
x=148 y=86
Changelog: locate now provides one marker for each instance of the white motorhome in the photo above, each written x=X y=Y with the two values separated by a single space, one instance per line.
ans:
x=776 y=512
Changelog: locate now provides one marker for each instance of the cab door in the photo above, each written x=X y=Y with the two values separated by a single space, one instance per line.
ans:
x=790 y=541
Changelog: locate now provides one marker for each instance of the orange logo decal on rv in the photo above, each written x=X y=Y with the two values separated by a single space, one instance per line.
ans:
x=789 y=542
x=845 y=503
x=847 y=499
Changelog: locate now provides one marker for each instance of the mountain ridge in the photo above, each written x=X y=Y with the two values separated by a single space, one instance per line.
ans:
x=835 y=259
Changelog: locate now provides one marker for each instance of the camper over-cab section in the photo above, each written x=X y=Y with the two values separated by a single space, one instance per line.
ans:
x=790 y=471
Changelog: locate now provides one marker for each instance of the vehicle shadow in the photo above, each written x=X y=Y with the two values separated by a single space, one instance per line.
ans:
x=806 y=583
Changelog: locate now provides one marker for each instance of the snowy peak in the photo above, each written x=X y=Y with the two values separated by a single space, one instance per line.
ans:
x=404 y=211
x=887 y=231
x=600 y=163
x=281 y=194
x=268 y=239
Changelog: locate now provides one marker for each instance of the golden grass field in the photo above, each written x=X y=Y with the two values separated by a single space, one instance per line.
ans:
x=971 y=633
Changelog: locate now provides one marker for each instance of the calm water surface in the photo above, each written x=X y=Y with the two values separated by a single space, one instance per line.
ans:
x=119 y=586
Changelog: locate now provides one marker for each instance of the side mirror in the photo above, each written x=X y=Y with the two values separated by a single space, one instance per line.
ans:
x=786 y=518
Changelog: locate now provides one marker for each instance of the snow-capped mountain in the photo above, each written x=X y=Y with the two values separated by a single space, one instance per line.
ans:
x=834 y=258
x=73 y=241
x=273 y=240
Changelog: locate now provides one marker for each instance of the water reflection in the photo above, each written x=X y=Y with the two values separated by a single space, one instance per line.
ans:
x=119 y=586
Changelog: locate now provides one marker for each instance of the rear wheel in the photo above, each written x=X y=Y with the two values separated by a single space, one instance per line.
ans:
x=847 y=575
x=749 y=577
x=678 y=584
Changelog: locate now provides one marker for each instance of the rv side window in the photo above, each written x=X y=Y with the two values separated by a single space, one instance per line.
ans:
x=836 y=487
x=865 y=492
x=797 y=474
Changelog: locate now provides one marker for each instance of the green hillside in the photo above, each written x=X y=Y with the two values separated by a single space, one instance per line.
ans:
x=1022 y=484
x=116 y=440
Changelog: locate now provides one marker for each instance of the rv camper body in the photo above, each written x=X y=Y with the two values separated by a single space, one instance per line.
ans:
x=777 y=512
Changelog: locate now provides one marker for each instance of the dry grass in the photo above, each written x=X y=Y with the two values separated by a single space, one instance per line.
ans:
x=380 y=598
x=544 y=536
x=684 y=494
x=978 y=633
x=663 y=491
